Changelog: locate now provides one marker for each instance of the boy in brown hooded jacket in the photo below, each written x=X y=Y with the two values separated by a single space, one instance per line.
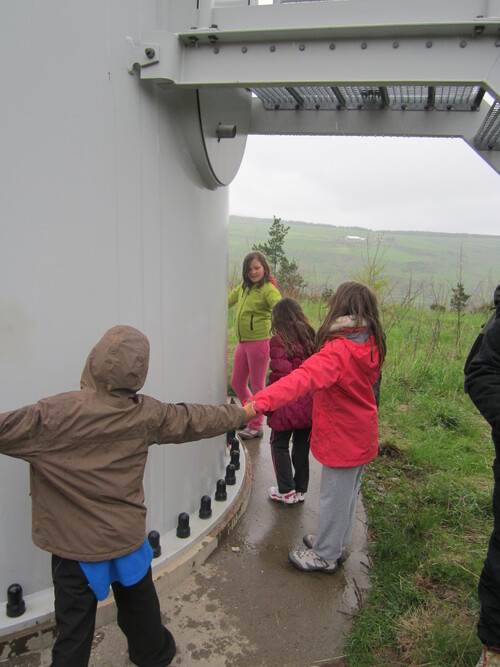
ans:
x=87 y=452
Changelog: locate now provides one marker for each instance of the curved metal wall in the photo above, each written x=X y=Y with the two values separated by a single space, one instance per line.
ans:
x=105 y=220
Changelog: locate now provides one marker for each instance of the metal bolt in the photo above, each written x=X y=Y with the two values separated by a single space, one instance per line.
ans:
x=150 y=52
x=428 y=44
x=244 y=49
x=302 y=47
x=332 y=47
x=272 y=48
x=183 y=528
x=364 y=45
x=154 y=542
x=463 y=44
x=15 y=602
x=216 y=50
x=395 y=45
x=497 y=42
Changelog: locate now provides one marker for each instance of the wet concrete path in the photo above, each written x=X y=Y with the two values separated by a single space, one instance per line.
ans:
x=247 y=606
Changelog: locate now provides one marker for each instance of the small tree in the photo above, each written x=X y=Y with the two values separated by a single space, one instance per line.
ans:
x=274 y=249
x=285 y=271
x=458 y=298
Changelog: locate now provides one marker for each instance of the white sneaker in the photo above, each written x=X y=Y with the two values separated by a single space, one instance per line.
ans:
x=289 y=498
x=250 y=434
x=300 y=497
x=309 y=540
x=309 y=561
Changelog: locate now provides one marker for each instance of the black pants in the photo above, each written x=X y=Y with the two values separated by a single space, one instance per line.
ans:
x=150 y=644
x=489 y=583
x=280 y=442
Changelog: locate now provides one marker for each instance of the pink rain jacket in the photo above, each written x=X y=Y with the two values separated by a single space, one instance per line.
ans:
x=341 y=377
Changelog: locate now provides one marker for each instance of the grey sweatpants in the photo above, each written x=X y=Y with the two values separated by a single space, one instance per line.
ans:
x=337 y=509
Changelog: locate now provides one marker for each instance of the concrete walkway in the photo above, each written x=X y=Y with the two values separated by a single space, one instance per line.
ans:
x=246 y=606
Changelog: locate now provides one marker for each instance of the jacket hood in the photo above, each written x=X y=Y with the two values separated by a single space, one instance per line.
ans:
x=118 y=363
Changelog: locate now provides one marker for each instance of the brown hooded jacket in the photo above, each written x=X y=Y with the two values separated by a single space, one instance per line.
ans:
x=87 y=450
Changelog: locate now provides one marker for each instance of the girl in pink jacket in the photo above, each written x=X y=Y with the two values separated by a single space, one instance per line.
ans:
x=293 y=341
x=344 y=433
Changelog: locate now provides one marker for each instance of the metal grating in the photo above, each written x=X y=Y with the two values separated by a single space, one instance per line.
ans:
x=412 y=98
x=488 y=137
x=456 y=98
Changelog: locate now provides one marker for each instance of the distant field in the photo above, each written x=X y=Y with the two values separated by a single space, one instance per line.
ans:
x=326 y=256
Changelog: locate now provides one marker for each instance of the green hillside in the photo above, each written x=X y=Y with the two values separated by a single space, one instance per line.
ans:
x=431 y=261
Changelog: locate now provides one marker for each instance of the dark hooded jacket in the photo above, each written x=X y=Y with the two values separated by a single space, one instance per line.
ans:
x=482 y=371
x=87 y=450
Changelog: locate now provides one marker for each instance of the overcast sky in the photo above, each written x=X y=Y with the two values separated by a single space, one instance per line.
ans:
x=372 y=182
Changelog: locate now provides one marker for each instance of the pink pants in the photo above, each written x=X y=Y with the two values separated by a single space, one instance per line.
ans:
x=251 y=359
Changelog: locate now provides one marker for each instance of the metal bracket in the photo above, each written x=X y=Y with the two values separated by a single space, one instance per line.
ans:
x=144 y=55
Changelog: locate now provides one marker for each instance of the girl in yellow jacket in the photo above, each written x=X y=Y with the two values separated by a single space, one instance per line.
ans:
x=254 y=297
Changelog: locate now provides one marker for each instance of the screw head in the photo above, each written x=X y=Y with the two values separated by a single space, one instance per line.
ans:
x=150 y=52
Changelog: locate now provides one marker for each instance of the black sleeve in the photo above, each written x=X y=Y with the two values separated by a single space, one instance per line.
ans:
x=483 y=373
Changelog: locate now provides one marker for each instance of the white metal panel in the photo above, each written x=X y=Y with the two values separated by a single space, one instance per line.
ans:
x=105 y=220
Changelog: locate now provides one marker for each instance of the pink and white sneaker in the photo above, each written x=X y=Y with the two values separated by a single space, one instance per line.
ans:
x=289 y=498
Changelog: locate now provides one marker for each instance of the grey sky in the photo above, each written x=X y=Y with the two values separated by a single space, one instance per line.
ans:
x=372 y=182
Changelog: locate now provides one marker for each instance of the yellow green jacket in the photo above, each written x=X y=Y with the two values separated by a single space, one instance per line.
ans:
x=253 y=310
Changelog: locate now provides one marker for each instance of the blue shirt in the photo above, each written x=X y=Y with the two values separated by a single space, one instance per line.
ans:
x=127 y=570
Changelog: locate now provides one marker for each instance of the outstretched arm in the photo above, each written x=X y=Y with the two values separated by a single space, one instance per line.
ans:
x=319 y=371
x=17 y=432
x=186 y=422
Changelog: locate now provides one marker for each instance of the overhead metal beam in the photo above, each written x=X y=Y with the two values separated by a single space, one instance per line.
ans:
x=381 y=61
x=357 y=67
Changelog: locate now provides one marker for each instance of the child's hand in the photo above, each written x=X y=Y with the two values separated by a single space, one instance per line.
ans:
x=249 y=410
